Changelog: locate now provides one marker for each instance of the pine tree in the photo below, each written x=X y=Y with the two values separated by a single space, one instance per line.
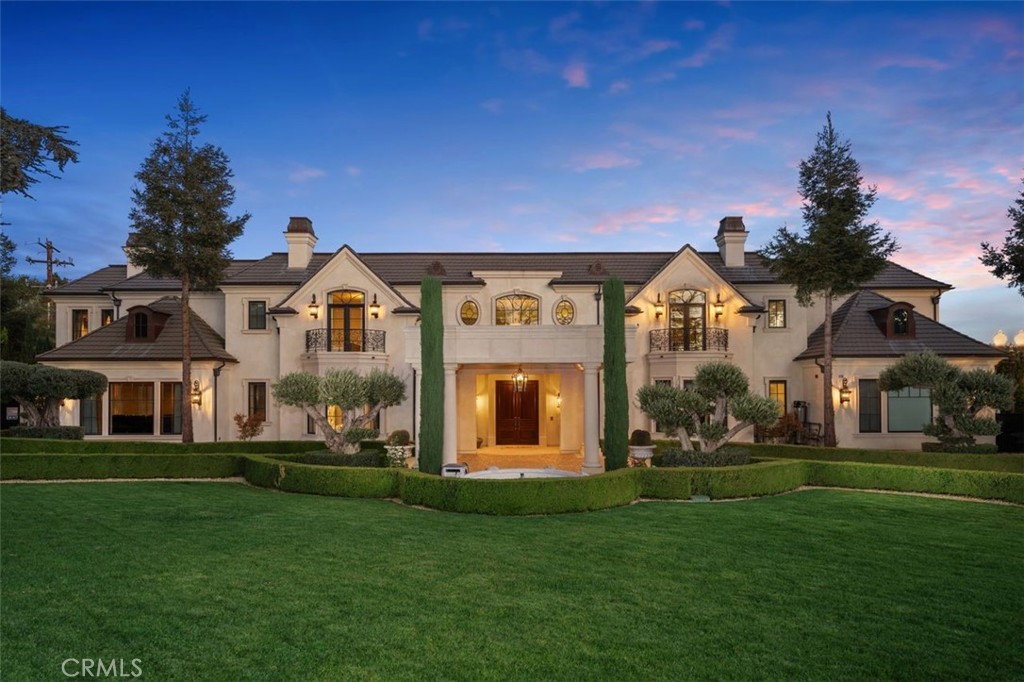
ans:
x=432 y=407
x=180 y=220
x=27 y=150
x=839 y=252
x=616 y=396
x=1008 y=262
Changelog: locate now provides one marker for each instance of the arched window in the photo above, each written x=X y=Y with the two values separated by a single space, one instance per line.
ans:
x=565 y=312
x=516 y=310
x=469 y=313
x=687 y=311
x=346 y=319
x=900 y=322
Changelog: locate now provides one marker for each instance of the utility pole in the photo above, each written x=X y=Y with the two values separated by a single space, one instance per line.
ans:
x=50 y=261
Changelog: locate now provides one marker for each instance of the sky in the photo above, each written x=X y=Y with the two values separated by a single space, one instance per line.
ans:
x=535 y=126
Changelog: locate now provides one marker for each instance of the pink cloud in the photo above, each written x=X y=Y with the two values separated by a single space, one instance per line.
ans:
x=735 y=133
x=911 y=62
x=719 y=41
x=575 y=75
x=618 y=87
x=639 y=218
x=891 y=188
x=655 y=46
x=636 y=136
x=937 y=201
x=603 y=161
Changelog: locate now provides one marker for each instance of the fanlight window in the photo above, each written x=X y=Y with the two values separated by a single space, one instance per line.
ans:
x=469 y=313
x=516 y=309
x=687 y=310
x=565 y=312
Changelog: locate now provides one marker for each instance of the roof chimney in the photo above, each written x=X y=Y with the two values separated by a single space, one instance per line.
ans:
x=731 y=240
x=133 y=270
x=301 y=240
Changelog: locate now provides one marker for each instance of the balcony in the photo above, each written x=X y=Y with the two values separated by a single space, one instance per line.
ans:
x=688 y=340
x=345 y=341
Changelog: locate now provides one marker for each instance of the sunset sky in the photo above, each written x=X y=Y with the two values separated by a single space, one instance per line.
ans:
x=535 y=127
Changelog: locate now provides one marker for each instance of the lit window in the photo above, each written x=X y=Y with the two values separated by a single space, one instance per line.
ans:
x=106 y=316
x=515 y=310
x=131 y=407
x=565 y=312
x=777 y=392
x=79 y=323
x=257 y=315
x=335 y=417
x=777 y=314
x=258 y=400
x=469 y=313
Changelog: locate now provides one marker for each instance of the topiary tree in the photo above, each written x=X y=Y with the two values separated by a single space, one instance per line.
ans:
x=40 y=389
x=361 y=398
x=616 y=394
x=432 y=347
x=699 y=412
x=960 y=396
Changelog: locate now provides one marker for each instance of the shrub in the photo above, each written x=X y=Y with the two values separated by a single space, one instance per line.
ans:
x=399 y=437
x=616 y=393
x=431 y=432
x=50 y=467
x=26 y=445
x=723 y=457
x=965 y=448
x=249 y=426
x=54 y=432
x=320 y=480
x=943 y=460
x=372 y=445
x=990 y=485
x=641 y=438
x=364 y=458
x=763 y=478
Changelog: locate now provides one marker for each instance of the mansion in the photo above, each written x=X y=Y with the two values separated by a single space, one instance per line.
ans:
x=535 y=314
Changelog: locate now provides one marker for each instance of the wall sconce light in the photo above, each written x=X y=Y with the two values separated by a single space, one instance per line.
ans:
x=719 y=307
x=558 y=400
x=519 y=380
x=845 y=393
x=197 y=395
x=314 y=309
x=375 y=308
x=659 y=308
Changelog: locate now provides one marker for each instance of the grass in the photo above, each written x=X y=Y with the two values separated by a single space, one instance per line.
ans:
x=218 y=581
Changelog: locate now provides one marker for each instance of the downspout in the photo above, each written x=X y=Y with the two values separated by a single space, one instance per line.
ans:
x=216 y=375
x=935 y=305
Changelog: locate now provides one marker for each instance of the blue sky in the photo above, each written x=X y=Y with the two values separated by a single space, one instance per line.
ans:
x=536 y=127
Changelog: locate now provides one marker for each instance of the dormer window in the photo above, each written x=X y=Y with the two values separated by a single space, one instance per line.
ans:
x=140 y=326
x=896 y=321
x=900 y=322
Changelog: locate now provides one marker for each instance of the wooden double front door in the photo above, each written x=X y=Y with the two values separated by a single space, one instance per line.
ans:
x=517 y=420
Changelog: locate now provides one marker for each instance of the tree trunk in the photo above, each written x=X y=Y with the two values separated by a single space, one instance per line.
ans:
x=829 y=418
x=186 y=363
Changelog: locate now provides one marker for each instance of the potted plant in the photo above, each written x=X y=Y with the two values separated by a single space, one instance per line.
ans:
x=399 y=447
x=640 y=445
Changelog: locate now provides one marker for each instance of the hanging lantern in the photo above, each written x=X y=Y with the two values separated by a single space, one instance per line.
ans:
x=519 y=380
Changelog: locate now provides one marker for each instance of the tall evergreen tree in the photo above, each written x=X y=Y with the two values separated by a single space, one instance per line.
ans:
x=616 y=395
x=28 y=149
x=180 y=220
x=25 y=328
x=431 y=437
x=840 y=250
x=1008 y=262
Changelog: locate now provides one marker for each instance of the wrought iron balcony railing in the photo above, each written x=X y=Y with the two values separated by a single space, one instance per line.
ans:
x=693 y=339
x=345 y=341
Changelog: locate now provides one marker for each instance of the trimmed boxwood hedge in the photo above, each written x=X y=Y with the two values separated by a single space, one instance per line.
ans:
x=944 y=460
x=50 y=467
x=49 y=432
x=763 y=478
x=519 y=496
x=12 y=445
x=989 y=485
x=296 y=477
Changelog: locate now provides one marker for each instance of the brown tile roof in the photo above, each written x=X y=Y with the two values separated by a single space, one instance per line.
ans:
x=855 y=334
x=110 y=344
x=93 y=283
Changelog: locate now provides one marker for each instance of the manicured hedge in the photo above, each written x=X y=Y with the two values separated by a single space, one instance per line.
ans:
x=48 y=467
x=763 y=478
x=989 y=485
x=50 y=432
x=519 y=496
x=321 y=480
x=12 y=445
x=942 y=460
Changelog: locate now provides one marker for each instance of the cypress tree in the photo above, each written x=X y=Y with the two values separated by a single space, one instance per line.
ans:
x=432 y=349
x=616 y=406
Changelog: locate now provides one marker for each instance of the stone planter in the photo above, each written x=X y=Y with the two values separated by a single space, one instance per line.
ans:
x=642 y=452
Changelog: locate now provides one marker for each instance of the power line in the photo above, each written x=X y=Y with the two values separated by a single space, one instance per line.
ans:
x=51 y=262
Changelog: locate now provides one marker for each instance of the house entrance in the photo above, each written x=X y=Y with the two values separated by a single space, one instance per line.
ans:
x=516 y=414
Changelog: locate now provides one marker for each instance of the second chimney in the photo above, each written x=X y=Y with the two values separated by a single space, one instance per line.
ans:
x=301 y=240
x=731 y=240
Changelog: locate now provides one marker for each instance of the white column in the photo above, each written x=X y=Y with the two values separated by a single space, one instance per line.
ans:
x=591 y=437
x=450 y=450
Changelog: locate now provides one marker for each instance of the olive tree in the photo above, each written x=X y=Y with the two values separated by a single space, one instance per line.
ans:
x=40 y=389
x=699 y=411
x=960 y=396
x=360 y=399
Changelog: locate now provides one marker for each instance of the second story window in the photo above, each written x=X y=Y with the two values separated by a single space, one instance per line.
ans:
x=777 y=314
x=901 y=322
x=141 y=325
x=79 y=324
x=564 y=312
x=469 y=313
x=516 y=309
x=257 y=315
x=106 y=316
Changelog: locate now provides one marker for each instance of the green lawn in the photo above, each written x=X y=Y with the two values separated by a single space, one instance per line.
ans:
x=219 y=581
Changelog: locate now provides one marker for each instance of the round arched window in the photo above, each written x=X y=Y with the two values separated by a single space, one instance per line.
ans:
x=469 y=313
x=565 y=312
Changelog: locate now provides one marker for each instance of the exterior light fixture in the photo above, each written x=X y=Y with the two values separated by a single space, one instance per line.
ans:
x=1018 y=339
x=197 y=394
x=519 y=380
x=375 y=308
x=845 y=393
x=999 y=340
x=558 y=400
x=314 y=309
x=659 y=308
x=719 y=307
